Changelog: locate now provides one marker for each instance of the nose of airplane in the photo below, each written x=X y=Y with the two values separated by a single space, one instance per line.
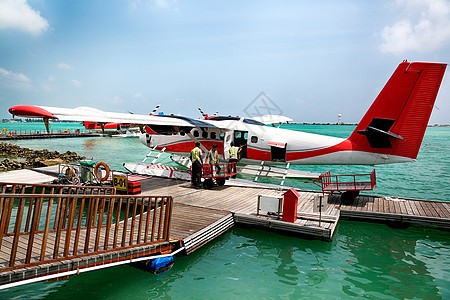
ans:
x=145 y=139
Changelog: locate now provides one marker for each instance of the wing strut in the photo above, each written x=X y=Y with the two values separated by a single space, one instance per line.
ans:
x=46 y=124
x=195 y=140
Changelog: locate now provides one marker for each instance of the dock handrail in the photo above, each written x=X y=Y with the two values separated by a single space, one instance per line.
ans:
x=80 y=225
x=34 y=188
x=346 y=182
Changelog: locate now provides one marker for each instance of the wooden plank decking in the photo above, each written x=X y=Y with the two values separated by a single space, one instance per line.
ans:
x=199 y=216
x=241 y=202
x=424 y=213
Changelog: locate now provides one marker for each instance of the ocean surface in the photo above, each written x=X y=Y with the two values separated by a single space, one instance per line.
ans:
x=364 y=260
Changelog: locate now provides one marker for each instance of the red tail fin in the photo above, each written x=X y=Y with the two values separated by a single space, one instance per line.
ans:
x=396 y=121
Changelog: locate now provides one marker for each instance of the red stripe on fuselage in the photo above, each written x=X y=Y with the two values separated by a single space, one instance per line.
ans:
x=186 y=147
x=257 y=154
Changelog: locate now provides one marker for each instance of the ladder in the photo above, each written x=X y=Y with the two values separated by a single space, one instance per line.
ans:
x=286 y=169
x=155 y=157
x=261 y=168
x=268 y=169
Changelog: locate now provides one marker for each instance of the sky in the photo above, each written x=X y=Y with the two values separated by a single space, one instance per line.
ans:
x=312 y=60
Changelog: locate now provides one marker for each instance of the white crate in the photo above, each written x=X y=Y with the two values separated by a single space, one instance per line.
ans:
x=269 y=204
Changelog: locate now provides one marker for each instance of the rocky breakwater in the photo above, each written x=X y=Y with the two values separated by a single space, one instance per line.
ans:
x=16 y=157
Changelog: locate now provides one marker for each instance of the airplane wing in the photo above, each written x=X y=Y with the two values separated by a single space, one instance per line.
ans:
x=272 y=119
x=96 y=115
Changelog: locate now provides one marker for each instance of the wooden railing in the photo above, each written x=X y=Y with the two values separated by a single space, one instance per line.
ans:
x=21 y=188
x=60 y=227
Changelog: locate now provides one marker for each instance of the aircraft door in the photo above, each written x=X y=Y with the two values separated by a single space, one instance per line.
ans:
x=277 y=151
x=227 y=139
x=240 y=140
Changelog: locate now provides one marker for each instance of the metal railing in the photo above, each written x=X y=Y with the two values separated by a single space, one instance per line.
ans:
x=61 y=227
x=347 y=182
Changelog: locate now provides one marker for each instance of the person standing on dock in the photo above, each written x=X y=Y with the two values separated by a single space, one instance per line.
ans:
x=213 y=158
x=233 y=159
x=197 y=161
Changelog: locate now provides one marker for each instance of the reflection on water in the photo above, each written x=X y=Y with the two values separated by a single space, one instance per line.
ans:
x=287 y=270
x=388 y=267
x=364 y=260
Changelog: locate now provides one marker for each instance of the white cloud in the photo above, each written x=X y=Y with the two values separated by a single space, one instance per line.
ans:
x=424 y=27
x=49 y=85
x=165 y=4
x=64 y=66
x=17 y=14
x=138 y=96
x=170 y=5
x=77 y=83
x=14 y=80
x=117 y=100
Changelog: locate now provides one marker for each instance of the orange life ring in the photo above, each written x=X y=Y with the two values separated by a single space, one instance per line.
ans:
x=98 y=173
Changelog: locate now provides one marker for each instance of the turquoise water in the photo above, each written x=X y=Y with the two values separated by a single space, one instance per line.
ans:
x=363 y=261
x=426 y=178
x=38 y=126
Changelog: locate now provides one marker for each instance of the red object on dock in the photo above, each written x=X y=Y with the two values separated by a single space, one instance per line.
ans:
x=134 y=187
x=290 y=203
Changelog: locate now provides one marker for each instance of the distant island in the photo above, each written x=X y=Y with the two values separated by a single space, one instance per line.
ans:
x=37 y=120
x=355 y=124
x=306 y=123
x=34 y=120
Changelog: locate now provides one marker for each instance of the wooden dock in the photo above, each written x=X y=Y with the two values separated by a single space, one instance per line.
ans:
x=399 y=211
x=51 y=135
x=196 y=217
x=241 y=202
x=240 y=199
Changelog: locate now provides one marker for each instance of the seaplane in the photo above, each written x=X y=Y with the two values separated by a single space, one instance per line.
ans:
x=391 y=131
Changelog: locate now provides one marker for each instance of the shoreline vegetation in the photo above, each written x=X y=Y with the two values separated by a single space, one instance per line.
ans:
x=14 y=157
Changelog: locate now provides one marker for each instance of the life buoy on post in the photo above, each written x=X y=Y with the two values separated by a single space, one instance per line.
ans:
x=76 y=180
x=98 y=173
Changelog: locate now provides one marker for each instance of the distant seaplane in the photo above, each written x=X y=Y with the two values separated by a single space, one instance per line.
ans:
x=391 y=131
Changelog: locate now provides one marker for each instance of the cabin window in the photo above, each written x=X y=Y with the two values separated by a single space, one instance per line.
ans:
x=254 y=139
x=213 y=135
x=221 y=135
x=246 y=135
x=205 y=134
x=196 y=133
x=182 y=133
